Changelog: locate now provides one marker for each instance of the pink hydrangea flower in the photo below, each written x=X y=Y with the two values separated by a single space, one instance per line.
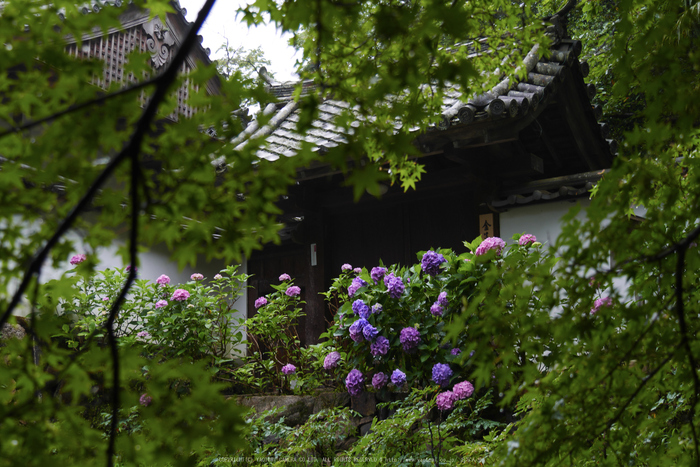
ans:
x=196 y=276
x=180 y=295
x=218 y=277
x=491 y=243
x=357 y=270
x=163 y=280
x=77 y=259
x=145 y=400
x=288 y=369
x=143 y=334
x=527 y=239
x=463 y=390
x=161 y=303
x=601 y=302
x=104 y=299
x=445 y=400
x=346 y=267
x=285 y=277
x=293 y=291
x=260 y=302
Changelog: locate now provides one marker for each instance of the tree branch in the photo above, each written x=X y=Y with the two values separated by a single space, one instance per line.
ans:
x=84 y=105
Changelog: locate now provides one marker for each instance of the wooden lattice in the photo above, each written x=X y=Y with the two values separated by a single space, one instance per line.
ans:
x=114 y=50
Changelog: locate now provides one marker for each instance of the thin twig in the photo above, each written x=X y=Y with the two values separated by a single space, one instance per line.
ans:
x=680 y=265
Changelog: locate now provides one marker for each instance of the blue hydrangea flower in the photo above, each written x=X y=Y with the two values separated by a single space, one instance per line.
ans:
x=377 y=274
x=409 y=338
x=442 y=374
x=357 y=283
x=436 y=309
x=394 y=285
x=356 y=329
x=331 y=360
x=398 y=377
x=431 y=262
x=355 y=382
x=370 y=332
x=361 y=308
x=380 y=346
x=379 y=380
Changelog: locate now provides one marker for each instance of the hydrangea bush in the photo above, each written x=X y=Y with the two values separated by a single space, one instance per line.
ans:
x=398 y=327
x=195 y=320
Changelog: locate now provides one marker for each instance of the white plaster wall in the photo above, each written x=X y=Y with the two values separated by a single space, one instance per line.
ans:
x=541 y=220
x=544 y=221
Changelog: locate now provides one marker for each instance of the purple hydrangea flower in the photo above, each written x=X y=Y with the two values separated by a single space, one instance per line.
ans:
x=180 y=295
x=377 y=308
x=601 y=302
x=356 y=329
x=463 y=390
x=380 y=346
x=377 y=274
x=145 y=400
x=409 y=338
x=436 y=309
x=357 y=283
x=455 y=351
x=260 y=302
x=77 y=259
x=331 y=360
x=285 y=277
x=442 y=299
x=346 y=267
x=143 y=334
x=288 y=369
x=431 y=262
x=360 y=308
x=197 y=276
x=394 y=285
x=527 y=239
x=379 y=380
x=491 y=243
x=398 y=377
x=445 y=400
x=128 y=269
x=355 y=382
x=161 y=303
x=442 y=374
x=292 y=291
x=357 y=270
x=370 y=332
x=163 y=280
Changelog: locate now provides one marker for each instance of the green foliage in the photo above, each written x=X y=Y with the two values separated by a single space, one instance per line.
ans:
x=616 y=387
x=241 y=63
x=417 y=433
x=46 y=409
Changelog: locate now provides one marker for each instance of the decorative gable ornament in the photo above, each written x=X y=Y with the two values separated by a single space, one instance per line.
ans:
x=159 y=41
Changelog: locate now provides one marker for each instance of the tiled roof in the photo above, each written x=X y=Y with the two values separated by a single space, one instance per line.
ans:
x=505 y=100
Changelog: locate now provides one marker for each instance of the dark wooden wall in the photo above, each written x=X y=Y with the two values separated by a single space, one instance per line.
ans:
x=393 y=230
